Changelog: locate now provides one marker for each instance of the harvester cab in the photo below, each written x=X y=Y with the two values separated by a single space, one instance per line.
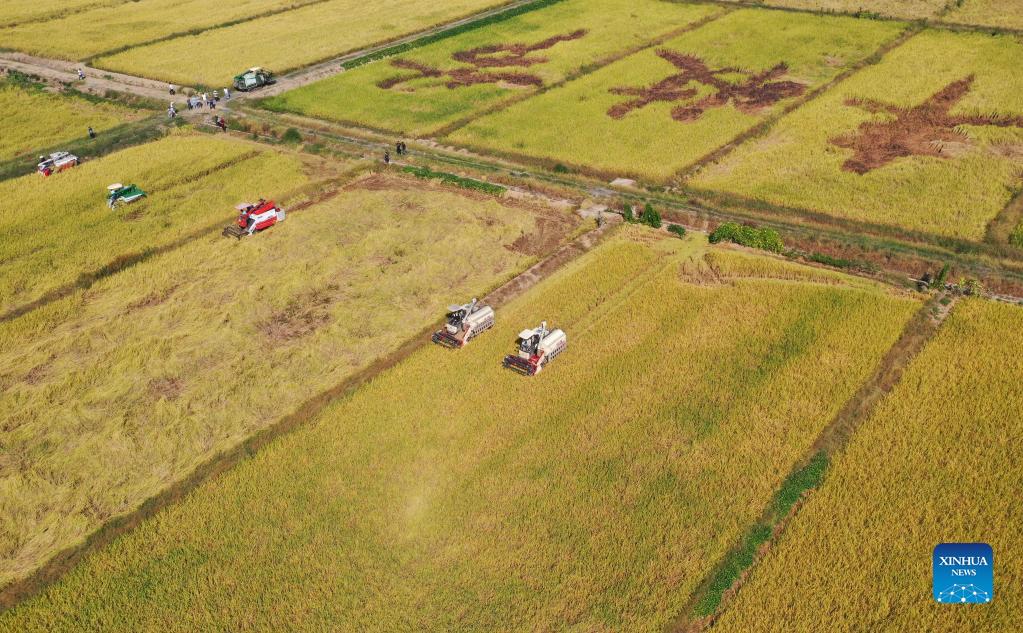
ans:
x=254 y=216
x=464 y=323
x=253 y=78
x=537 y=347
x=118 y=193
x=57 y=161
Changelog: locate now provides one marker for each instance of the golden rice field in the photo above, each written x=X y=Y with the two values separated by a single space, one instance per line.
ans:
x=21 y=11
x=34 y=120
x=649 y=116
x=938 y=462
x=452 y=494
x=601 y=30
x=953 y=187
x=287 y=40
x=998 y=13
x=906 y=9
x=110 y=28
x=59 y=228
x=114 y=394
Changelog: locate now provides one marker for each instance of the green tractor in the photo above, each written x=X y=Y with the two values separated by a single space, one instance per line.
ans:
x=118 y=193
x=253 y=78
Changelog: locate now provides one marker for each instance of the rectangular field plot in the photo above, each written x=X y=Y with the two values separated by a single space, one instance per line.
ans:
x=34 y=120
x=938 y=462
x=906 y=9
x=111 y=28
x=21 y=11
x=60 y=228
x=656 y=112
x=112 y=395
x=998 y=13
x=428 y=88
x=287 y=40
x=452 y=494
x=929 y=140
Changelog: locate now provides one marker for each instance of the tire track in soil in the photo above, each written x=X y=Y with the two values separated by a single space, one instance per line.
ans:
x=922 y=326
x=64 y=561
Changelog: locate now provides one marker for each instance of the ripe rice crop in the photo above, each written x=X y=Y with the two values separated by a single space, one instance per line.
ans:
x=114 y=394
x=20 y=11
x=287 y=40
x=998 y=13
x=938 y=462
x=907 y=9
x=59 y=228
x=452 y=494
x=600 y=29
x=949 y=173
x=34 y=120
x=655 y=112
x=109 y=28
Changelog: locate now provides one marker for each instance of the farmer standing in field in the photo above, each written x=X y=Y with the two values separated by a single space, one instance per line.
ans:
x=81 y=74
x=227 y=94
x=92 y=132
x=387 y=157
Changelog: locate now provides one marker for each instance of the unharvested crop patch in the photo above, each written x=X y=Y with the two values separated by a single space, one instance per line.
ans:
x=35 y=120
x=58 y=229
x=154 y=370
x=431 y=87
x=121 y=25
x=659 y=110
x=452 y=494
x=287 y=40
x=922 y=141
x=997 y=13
x=938 y=462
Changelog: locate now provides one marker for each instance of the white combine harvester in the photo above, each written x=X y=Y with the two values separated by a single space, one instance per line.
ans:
x=536 y=348
x=464 y=324
x=55 y=162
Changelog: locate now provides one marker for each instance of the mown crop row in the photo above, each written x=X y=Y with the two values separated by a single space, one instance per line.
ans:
x=656 y=112
x=937 y=463
x=33 y=119
x=450 y=493
x=423 y=90
x=20 y=11
x=111 y=395
x=286 y=41
x=59 y=228
x=926 y=140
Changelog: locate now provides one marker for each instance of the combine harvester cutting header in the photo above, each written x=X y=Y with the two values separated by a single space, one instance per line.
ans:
x=254 y=217
x=118 y=193
x=536 y=348
x=57 y=161
x=464 y=324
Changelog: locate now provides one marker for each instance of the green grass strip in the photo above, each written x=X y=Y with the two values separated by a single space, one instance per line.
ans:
x=442 y=35
x=741 y=558
x=451 y=179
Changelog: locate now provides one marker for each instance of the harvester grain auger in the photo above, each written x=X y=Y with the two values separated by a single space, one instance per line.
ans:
x=537 y=347
x=55 y=162
x=254 y=216
x=118 y=193
x=464 y=324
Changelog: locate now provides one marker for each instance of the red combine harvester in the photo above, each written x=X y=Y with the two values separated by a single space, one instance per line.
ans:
x=536 y=348
x=464 y=324
x=57 y=161
x=254 y=217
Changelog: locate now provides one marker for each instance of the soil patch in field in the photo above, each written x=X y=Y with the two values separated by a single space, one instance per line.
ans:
x=302 y=316
x=169 y=387
x=928 y=129
x=757 y=91
x=480 y=58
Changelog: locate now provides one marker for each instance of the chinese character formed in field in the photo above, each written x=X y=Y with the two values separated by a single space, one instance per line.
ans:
x=916 y=131
x=756 y=91
x=481 y=58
